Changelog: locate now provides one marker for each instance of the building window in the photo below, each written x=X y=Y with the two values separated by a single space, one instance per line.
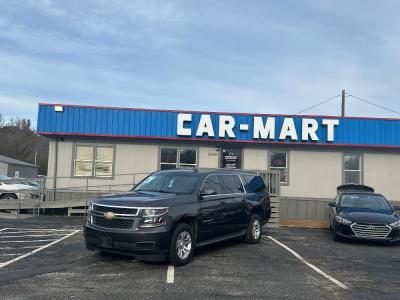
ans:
x=104 y=161
x=171 y=158
x=94 y=161
x=279 y=161
x=352 y=168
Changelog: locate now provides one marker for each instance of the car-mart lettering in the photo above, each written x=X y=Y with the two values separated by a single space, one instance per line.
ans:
x=264 y=128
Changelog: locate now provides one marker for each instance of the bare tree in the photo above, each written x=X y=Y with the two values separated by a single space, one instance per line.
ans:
x=19 y=141
x=2 y=121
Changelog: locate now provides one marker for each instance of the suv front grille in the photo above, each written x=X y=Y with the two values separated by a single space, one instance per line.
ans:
x=114 y=223
x=115 y=209
x=371 y=231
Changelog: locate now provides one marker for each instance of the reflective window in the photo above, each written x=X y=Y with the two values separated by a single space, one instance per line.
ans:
x=168 y=159
x=172 y=158
x=212 y=182
x=91 y=160
x=279 y=161
x=254 y=184
x=352 y=168
x=366 y=201
x=169 y=182
x=187 y=158
x=231 y=184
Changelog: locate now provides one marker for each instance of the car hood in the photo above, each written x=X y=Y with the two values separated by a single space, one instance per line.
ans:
x=368 y=216
x=14 y=187
x=138 y=199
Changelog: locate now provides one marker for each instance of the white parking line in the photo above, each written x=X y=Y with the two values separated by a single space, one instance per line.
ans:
x=29 y=235
x=32 y=241
x=2 y=265
x=170 y=274
x=299 y=257
x=36 y=229
x=27 y=247
x=3 y=229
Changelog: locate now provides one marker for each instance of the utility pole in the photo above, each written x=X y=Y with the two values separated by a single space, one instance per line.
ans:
x=343 y=102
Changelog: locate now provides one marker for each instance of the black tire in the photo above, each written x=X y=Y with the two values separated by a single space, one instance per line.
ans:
x=8 y=196
x=254 y=230
x=177 y=256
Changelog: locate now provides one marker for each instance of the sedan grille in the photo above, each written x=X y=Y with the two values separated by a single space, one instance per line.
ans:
x=115 y=210
x=371 y=231
x=114 y=223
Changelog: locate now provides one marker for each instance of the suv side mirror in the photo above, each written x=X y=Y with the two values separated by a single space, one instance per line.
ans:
x=396 y=207
x=208 y=192
x=332 y=204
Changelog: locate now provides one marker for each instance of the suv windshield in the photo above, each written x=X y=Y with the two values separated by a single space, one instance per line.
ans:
x=176 y=183
x=366 y=201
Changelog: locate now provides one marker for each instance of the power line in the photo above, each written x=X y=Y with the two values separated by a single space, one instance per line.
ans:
x=318 y=104
x=374 y=104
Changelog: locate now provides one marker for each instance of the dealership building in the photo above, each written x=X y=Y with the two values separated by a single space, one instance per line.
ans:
x=116 y=147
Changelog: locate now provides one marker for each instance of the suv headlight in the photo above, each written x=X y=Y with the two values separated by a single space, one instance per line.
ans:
x=342 y=220
x=395 y=224
x=89 y=217
x=153 y=217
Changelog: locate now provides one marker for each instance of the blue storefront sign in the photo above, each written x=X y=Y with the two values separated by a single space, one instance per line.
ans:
x=71 y=120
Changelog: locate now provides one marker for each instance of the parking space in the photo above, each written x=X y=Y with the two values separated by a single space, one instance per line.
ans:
x=66 y=269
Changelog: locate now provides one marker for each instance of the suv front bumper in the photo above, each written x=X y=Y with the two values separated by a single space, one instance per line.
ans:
x=150 y=244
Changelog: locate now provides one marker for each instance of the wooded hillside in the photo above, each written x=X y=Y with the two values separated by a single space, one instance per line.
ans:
x=19 y=141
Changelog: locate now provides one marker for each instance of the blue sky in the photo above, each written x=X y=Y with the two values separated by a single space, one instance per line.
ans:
x=247 y=56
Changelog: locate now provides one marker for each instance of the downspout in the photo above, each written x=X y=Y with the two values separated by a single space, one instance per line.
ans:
x=55 y=172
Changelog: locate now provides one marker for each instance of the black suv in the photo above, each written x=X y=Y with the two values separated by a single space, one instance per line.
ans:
x=171 y=212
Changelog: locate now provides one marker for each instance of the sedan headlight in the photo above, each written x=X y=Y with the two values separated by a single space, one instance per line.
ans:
x=153 y=217
x=342 y=220
x=395 y=224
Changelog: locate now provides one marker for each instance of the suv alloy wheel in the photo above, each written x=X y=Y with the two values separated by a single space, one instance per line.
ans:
x=254 y=230
x=182 y=245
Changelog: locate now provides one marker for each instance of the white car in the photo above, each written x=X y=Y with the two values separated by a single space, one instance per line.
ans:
x=10 y=190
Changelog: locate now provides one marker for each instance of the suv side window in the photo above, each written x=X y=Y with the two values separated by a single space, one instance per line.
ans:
x=231 y=184
x=212 y=182
x=254 y=184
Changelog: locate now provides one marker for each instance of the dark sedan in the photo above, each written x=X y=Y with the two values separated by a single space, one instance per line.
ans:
x=359 y=213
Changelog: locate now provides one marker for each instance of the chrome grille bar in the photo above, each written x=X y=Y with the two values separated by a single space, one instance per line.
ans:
x=371 y=231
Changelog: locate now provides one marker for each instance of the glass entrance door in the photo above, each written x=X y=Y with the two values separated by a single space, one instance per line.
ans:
x=231 y=158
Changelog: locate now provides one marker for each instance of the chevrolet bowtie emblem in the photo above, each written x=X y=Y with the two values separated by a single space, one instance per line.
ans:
x=109 y=215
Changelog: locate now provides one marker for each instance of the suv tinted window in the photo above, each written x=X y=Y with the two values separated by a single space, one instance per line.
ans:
x=231 y=184
x=212 y=182
x=254 y=184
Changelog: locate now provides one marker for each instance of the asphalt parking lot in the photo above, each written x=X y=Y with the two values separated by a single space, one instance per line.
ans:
x=45 y=258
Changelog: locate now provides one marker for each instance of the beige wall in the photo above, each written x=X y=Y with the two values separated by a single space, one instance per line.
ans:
x=383 y=173
x=255 y=158
x=138 y=159
x=208 y=157
x=312 y=174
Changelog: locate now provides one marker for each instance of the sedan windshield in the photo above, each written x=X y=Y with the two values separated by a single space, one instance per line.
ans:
x=176 y=183
x=366 y=201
